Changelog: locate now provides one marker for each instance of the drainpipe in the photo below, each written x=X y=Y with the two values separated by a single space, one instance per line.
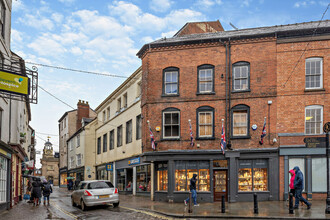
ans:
x=229 y=94
x=226 y=111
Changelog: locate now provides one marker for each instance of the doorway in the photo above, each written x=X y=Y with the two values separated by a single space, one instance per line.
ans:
x=220 y=184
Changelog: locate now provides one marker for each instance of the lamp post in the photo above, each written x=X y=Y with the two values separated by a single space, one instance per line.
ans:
x=326 y=129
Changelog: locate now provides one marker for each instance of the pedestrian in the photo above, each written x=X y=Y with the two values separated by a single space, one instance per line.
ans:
x=192 y=187
x=36 y=192
x=293 y=175
x=46 y=191
x=299 y=186
x=70 y=184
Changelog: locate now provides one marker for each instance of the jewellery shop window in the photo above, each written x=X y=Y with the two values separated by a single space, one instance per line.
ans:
x=253 y=175
x=184 y=171
x=143 y=182
x=162 y=177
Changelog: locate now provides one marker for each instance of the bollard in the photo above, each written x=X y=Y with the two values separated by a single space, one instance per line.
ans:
x=190 y=204
x=255 y=199
x=223 y=207
x=290 y=203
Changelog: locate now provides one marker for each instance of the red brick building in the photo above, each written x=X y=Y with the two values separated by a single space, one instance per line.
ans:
x=244 y=77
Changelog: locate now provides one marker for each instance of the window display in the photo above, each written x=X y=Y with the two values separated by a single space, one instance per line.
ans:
x=253 y=175
x=143 y=182
x=319 y=180
x=121 y=179
x=162 y=177
x=184 y=172
x=63 y=179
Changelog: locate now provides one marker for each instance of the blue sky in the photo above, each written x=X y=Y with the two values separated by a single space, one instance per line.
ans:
x=104 y=36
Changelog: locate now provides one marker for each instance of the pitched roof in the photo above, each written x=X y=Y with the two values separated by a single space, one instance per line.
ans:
x=241 y=33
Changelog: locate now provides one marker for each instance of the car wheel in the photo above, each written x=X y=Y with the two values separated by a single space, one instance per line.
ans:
x=83 y=206
x=72 y=202
x=116 y=204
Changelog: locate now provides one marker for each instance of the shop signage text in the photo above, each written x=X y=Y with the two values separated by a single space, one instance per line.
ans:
x=108 y=167
x=14 y=83
x=134 y=161
x=313 y=142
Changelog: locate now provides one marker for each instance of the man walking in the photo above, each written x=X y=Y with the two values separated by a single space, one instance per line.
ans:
x=46 y=191
x=192 y=190
x=299 y=186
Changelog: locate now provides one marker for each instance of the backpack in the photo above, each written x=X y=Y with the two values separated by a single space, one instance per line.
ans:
x=47 y=188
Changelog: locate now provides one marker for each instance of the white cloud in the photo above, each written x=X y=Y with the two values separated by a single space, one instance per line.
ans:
x=57 y=17
x=16 y=36
x=169 y=33
x=67 y=1
x=45 y=45
x=147 y=39
x=323 y=3
x=18 y=5
x=160 y=5
x=76 y=51
x=208 y=3
x=246 y=3
x=303 y=4
x=37 y=21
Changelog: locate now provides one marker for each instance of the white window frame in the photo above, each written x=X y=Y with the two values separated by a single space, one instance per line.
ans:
x=171 y=83
x=78 y=140
x=170 y=112
x=199 y=124
x=240 y=78
x=71 y=161
x=313 y=59
x=201 y=81
x=247 y=123
x=321 y=122
x=108 y=113
x=70 y=145
x=78 y=157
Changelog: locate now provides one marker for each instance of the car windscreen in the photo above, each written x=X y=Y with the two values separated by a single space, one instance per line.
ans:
x=100 y=185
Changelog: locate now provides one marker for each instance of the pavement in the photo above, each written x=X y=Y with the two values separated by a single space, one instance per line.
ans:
x=141 y=207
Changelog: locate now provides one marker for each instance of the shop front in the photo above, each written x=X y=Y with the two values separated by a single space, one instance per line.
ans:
x=5 y=169
x=63 y=177
x=133 y=176
x=105 y=172
x=76 y=175
x=237 y=175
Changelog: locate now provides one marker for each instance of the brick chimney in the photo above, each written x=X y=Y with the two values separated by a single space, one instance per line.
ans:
x=82 y=112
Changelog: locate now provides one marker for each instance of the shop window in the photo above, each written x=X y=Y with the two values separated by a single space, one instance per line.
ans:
x=205 y=122
x=299 y=162
x=253 y=175
x=102 y=174
x=205 y=79
x=119 y=136
x=98 y=145
x=313 y=119
x=314 y=72
x=105 y=144
x=112 y=139
x=319 y=179
x=241 y=76
x=171 y=123
x=121 y=179
x=171 y=81
x=240 y=121
x=129 y=132
x=138 y=127
x=143 y=182
x=162 y=177
x=184 y=171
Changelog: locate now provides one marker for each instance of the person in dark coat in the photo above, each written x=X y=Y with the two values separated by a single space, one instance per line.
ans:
x=46 y=191
x=70 y=184
x=192 y=186
x=36 y=192
x=299 y=186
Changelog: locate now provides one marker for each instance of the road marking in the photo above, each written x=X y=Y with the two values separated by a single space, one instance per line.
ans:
x=147 y=213
x=64 y=211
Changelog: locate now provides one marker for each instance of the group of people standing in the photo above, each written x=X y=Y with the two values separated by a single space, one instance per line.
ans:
x=297 y=186
x=39 y=189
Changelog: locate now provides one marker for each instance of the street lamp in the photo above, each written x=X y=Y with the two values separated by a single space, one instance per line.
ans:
x=326 y=129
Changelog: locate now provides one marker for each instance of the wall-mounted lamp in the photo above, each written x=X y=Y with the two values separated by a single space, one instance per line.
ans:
x=221 y=76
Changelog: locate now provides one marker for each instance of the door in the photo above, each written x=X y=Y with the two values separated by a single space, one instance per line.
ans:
x=220 y=184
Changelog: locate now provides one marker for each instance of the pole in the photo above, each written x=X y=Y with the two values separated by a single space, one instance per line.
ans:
x=223 y=207
x=327 y=209
x=256 y=211
x=190 y=204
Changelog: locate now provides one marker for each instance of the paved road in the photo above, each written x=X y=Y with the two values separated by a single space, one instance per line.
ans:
x=61 y=208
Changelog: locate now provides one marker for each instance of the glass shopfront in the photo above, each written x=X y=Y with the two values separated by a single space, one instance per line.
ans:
x=184 y=171
x=252 y=175
x=143 y=182
x=121 y=179
x=63 y=178
x=162 y=177
x=3 y=179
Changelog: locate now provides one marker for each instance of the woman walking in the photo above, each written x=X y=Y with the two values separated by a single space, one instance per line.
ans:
x=36 y=192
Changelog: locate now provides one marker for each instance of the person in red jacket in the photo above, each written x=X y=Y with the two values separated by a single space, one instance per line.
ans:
x=293 y=175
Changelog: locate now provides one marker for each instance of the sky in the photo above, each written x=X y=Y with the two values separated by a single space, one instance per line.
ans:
x=104 y=36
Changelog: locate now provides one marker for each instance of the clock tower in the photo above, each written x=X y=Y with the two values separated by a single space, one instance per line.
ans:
x=48 y=149
x=49 y=164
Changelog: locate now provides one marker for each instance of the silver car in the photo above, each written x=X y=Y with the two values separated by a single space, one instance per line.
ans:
x=93 y=193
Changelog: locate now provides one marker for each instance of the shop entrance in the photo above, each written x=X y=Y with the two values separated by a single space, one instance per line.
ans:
x=129 y=180
x=220 y=184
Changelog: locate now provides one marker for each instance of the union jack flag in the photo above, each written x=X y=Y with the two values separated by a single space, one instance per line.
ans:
x=191 y=136
x=263 y=133
x=223 y=140
x=153 y=143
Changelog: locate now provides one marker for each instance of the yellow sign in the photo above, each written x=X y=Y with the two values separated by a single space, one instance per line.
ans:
x=14 y=83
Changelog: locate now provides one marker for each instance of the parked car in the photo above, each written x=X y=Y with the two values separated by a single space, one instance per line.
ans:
x=93 y=193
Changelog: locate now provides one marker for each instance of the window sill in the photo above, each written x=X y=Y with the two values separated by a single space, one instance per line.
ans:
x=174 y=95
x=240 y=91
x=170 y=139
x=205 y=138
x=240 y=137
x=205 y=93
x=315 y=90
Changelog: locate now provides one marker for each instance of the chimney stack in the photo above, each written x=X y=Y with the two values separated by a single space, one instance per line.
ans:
x=82 y=112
